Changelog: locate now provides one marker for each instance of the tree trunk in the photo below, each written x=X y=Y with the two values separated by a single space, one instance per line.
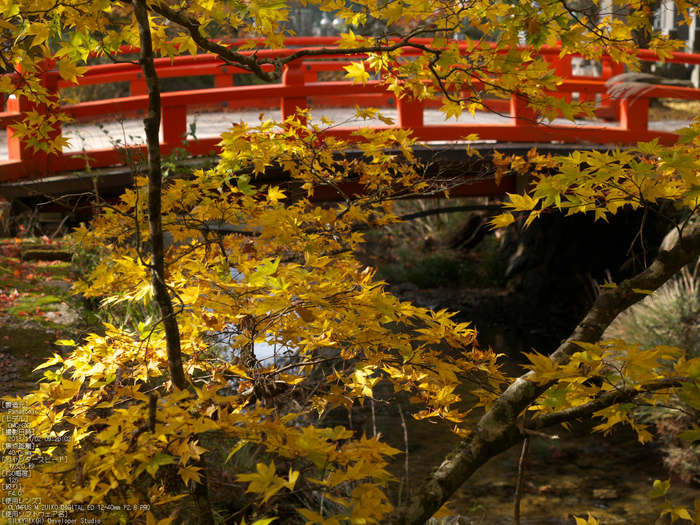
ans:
x=198 y=491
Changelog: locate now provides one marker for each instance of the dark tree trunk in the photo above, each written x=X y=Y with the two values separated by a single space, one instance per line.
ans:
x=198 y=491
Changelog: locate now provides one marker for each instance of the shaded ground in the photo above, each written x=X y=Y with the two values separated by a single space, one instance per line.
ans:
x=583 y=471
x=36 y=310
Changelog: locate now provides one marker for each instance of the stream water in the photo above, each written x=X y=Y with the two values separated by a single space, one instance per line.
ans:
x=579 y=473
x=582 y=472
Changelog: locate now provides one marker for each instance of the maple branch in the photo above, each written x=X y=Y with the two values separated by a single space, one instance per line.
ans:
x=150 y=424
x=621 y=394
x=405 y=442
x=497 y=431
x=254 y=65
x=521 y=478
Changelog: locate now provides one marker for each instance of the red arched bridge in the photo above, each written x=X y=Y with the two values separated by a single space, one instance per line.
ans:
x=623 y=121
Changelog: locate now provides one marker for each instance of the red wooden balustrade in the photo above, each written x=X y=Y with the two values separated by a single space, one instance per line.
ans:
x=300 y=88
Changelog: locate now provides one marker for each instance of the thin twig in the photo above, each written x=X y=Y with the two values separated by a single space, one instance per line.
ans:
x=405 y=441
x=521 y=477
x=374 y=420
x=551 y=437
x=150 y=424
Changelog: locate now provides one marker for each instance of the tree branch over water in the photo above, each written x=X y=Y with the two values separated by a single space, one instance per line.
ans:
x=498 y=429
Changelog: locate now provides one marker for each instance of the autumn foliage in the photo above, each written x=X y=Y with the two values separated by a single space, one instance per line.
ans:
x=246 y=265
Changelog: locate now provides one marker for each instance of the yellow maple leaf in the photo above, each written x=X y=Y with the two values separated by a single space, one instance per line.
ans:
x=502 y=220
x=590 y=521
x=274 y=194
x=543 y=366
x=357 y=73
x=190 y=472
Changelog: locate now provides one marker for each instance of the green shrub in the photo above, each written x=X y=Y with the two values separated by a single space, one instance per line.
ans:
x=670 y=317
x=421 y=251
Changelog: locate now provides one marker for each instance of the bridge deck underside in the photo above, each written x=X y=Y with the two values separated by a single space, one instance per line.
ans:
x=464 y=175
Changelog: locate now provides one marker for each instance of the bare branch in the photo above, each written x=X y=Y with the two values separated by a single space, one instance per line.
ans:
x=521 y=478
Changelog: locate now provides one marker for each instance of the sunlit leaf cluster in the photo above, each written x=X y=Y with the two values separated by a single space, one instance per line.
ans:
x=281 y=273
x=601 y=183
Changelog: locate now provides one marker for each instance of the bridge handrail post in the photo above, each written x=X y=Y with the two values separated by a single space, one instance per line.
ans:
x=409 y=112
x=138 y=87
x=293 y=75
x=224 y=79
x=174 y=123
x=310 y=75
x=634 y=113
x=611 y=106
x=16 y=147
x=563 y=69
x=520 y=113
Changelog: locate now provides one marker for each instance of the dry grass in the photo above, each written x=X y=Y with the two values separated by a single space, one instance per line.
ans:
x=674 y=109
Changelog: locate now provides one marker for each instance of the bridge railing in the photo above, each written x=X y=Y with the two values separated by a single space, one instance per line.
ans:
x=300 y=88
